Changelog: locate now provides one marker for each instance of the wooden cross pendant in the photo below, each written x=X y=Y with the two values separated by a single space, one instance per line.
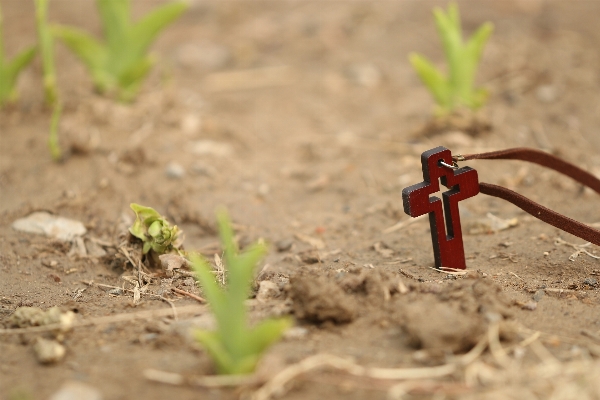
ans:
x=463 y=183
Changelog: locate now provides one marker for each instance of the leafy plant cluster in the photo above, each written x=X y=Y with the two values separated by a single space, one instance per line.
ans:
x=235 y=347
x=118 y=63
x=457 y=88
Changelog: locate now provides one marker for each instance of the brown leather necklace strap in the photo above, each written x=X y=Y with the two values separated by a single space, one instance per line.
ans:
x=545 y=214
x=542 y=213
x=539 y=157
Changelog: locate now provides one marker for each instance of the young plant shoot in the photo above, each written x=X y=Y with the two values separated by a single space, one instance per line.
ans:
x=235 y=347
x=120 y=62
x=10 y=70
x=46 y=44
x=153 y=230
x=457 y=88
x=53 y=144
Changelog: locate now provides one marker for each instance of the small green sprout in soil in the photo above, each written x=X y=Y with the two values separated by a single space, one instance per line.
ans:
x=53 y=144
x=120 y=62
x=235 y=347
x=155 y=232
x=46 y=44
x=10 y=70
x=457 y=88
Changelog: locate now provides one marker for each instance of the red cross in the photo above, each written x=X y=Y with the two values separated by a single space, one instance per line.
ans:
x=463 y=183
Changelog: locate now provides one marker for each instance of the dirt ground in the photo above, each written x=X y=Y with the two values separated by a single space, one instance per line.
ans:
x=304 y=120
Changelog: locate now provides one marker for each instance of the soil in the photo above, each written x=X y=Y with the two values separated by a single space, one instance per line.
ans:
x=309 y=147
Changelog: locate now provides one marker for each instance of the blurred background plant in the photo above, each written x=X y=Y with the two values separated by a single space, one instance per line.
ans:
x=456 y=89
x=10 y=70
x=119 y=63
x=46 y=46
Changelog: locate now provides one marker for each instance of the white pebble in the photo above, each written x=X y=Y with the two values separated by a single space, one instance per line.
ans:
x=44 y=223
x=174 y=170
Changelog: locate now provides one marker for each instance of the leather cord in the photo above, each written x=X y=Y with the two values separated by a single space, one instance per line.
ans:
x=542 y=213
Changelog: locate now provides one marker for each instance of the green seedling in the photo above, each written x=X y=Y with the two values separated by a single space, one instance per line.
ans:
x=46 y=44
x=153 y=230
x=120 y=61
x=457 y=89
x=53 y=144
x=10 y=70
x=235 y=347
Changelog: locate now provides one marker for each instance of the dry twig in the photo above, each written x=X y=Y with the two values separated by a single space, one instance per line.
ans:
x=111 y=319
x=190 y=295
x=276 y=385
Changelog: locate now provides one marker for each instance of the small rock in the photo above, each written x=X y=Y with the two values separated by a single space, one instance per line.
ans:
x=49 y=351
x=24 y=317
x=44 y=223
x=72 y=390
x=538 y=295
x=174 y=170
x=267 y=290
x=546 y=93
x=590 y=282
x=116 y=291
x=283 y=245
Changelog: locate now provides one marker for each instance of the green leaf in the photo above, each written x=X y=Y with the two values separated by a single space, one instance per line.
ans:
x=9 y=73
x=53 y=144
x=120 y=61
x=144 y=32
x=212 y=291
x=477 y=42
x=457 y=88
x=90 y=51
x=432 y=78
x=131 y=80
x=152 y=229
x=46 y=46
x=266 y=333
x=115 y=21
x=213 y=344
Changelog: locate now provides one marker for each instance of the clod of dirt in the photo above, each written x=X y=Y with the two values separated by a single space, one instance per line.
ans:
x=442 y=326
x=44 y=223
x=376 y=285
x=469 y=122
x=267 y=290
x=48 y=351
x=318 y=299
x=24 y=317
x=454 y=318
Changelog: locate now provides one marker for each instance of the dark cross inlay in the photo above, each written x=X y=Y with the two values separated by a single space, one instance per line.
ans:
x=463 y=183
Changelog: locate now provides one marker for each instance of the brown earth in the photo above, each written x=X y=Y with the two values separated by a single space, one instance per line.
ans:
x=310 y=153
